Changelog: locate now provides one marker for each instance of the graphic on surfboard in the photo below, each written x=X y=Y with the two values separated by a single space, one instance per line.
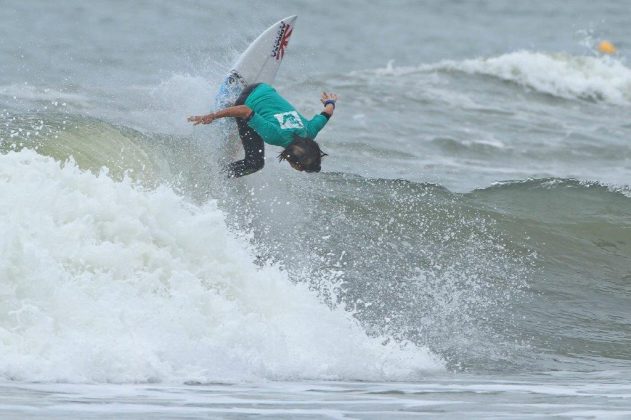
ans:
x=259 y=63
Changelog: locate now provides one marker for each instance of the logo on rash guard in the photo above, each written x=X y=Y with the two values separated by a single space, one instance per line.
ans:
x=289 y=120
x=282 y=39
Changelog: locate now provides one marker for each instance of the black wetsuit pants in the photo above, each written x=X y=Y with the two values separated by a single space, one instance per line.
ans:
x=252 y=144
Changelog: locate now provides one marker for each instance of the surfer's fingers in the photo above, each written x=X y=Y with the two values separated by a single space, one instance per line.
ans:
x=328 y=96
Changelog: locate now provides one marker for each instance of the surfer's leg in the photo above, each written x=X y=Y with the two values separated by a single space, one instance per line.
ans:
x=254 y=152
x=252 y=144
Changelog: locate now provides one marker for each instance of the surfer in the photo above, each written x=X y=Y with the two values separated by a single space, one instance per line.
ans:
x=263 y=116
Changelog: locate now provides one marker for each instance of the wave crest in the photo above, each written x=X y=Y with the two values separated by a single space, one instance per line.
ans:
x=562 y=75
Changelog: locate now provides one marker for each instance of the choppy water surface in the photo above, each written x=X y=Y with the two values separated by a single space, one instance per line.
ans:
x=460 y=397
x=466 y=249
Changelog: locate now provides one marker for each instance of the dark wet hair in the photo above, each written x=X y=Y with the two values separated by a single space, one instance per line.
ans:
x=303 y=152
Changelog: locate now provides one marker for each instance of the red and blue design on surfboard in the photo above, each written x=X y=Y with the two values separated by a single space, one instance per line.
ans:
x=282 y=40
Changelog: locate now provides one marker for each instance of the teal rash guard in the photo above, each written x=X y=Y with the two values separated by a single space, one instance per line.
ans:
x=276 y=120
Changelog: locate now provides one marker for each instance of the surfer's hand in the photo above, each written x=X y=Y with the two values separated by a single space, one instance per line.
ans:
x=328 y=96
x=328 y=100
x=202 y=119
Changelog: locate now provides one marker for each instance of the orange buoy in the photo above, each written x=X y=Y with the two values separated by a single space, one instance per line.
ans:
x=606 y=47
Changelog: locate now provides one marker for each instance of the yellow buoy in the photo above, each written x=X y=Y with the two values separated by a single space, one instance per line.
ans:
x=606 y=47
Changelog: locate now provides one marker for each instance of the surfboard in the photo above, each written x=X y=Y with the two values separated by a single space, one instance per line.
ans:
x=259 y=63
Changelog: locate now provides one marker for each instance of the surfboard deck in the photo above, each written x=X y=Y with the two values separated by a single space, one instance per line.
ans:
x=259 y=63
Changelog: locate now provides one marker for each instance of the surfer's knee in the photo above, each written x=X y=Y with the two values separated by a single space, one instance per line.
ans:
x=244 y=167
x=257 y=161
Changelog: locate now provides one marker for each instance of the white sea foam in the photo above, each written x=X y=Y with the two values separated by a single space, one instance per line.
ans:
x=102 y=281
x=563 y=75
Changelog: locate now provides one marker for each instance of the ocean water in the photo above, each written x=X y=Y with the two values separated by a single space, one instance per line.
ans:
x=466 y=250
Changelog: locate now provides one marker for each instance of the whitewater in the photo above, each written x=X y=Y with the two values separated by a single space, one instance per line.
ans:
x=117 y=284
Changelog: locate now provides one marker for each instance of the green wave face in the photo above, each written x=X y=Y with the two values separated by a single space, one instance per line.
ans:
x=93 y=144
x=501 y=278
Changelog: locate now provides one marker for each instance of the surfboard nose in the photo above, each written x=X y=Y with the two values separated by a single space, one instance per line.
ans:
x=259 y=63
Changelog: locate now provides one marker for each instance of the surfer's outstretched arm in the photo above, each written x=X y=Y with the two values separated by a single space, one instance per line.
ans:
x=238 y=111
